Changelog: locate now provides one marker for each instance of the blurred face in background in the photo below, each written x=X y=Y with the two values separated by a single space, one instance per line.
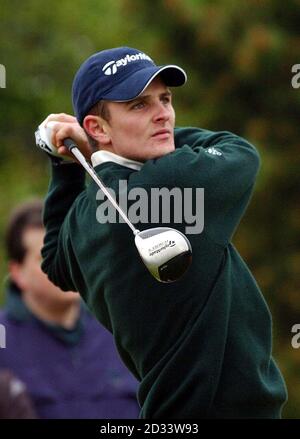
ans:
x=30 y=278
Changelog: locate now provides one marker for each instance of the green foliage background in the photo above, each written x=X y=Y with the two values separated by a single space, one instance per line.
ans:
x=238 y=55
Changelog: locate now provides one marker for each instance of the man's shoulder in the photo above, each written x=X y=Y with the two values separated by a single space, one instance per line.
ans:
x=190 y=135
x=187 y=130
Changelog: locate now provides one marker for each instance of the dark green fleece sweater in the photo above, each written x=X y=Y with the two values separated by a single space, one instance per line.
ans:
x=201 y=347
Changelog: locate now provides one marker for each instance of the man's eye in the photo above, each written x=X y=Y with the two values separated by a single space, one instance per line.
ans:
x=166 y=99
x=138 y=105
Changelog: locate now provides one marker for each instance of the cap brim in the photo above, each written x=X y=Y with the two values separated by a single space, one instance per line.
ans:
x=135 y=84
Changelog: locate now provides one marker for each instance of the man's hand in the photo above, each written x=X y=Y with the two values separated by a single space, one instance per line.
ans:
x=67 y=126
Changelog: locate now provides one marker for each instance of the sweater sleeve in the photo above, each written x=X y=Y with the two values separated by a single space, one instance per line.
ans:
x=223 y=164
x=67 y=182
x=226 y=166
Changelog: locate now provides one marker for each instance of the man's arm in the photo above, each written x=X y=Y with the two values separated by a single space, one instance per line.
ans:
x=226 y=166
x=223 y=164
x=67 y=182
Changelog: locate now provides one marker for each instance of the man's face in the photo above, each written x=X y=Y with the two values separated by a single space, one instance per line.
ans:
x=32 y=280
x=143 y=129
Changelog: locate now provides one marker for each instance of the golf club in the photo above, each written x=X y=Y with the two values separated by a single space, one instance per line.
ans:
x=166 y=252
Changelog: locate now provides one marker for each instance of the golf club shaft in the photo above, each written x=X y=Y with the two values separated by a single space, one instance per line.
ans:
x=73 y=148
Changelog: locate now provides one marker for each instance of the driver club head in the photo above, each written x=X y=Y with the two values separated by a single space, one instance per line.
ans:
x=166 y=252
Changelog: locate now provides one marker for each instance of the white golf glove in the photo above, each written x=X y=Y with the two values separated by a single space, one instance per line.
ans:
x=43 y=141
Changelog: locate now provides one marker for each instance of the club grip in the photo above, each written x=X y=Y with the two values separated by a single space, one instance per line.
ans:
x=69 y=143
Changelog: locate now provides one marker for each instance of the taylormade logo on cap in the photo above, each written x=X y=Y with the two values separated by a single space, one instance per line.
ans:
x=111 y=67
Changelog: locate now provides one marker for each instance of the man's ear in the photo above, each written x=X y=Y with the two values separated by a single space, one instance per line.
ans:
x=97 y=128
x=17 y=275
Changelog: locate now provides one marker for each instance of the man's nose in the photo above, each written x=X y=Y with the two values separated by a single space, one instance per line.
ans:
x=161 y=112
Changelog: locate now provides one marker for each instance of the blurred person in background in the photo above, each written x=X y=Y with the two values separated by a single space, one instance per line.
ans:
x=66 y=359
x=15 y=402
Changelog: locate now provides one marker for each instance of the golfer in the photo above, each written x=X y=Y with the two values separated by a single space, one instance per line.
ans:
x=201 y=346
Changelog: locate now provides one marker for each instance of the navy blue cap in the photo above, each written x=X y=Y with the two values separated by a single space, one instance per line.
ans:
x=119 y=74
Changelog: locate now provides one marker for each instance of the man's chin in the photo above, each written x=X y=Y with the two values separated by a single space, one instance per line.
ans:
x=162 y=150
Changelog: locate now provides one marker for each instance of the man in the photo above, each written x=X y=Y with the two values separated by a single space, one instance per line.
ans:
x=201 y=347
x=66 y=359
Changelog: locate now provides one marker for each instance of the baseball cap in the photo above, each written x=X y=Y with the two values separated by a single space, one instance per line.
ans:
x=120 y=74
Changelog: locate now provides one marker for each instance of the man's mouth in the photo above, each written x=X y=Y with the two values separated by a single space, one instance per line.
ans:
x=162 y=134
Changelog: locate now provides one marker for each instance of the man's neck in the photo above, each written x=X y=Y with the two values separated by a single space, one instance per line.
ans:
x=65 y=316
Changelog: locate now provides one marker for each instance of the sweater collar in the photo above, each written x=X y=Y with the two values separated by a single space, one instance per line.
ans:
x=17 y=310
x=102 y=156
